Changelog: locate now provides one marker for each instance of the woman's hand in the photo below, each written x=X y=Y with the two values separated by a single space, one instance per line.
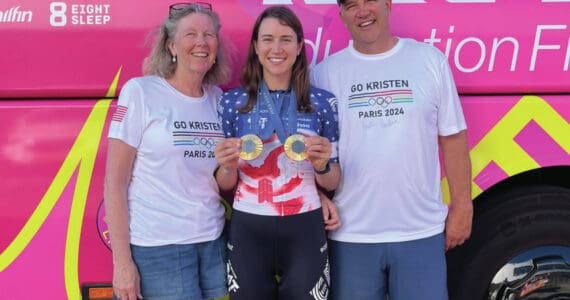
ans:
x=126 y=281
x=227 y=153
x=319 y=151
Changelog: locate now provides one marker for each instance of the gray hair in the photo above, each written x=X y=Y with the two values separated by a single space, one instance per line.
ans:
x=159 y=62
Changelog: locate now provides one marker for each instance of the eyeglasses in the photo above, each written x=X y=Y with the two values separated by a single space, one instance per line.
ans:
x=176 y=7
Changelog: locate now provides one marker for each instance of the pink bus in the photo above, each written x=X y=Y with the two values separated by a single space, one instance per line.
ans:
x=63 y=63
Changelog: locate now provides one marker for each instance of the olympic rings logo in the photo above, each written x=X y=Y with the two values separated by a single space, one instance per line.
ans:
x=207 y=142
x=382 y=101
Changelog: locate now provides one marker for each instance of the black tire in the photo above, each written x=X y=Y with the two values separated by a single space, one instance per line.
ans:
x=505 y=226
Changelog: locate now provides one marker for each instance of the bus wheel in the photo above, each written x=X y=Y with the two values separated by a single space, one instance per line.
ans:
x=519 y=248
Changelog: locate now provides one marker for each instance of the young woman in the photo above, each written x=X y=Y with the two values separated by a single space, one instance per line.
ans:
x=163 y=210
x=280 y=145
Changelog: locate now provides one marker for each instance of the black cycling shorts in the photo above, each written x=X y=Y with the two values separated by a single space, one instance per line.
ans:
x=274 y=257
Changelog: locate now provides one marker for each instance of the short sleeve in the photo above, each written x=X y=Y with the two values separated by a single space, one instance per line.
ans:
x=450 y=114
x=328 y=116
x=226 y=114
x=127 y=122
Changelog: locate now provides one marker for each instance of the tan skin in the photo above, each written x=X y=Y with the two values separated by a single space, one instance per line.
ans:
x=457 y=164
x=195 y=46
x=120 y=159
x=368 y=22
x=277 y=49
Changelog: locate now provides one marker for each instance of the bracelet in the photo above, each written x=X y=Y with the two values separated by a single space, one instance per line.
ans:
x=325 y=170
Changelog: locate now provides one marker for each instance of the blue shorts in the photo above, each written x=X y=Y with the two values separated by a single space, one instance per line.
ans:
x=411 y=270
x=172 y=272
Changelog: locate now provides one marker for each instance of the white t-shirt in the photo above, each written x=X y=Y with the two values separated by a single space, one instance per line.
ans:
x=173 y=196
x=392 y=107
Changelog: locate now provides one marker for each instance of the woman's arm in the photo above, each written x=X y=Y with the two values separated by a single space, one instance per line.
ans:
x=120 y=159
x=319 y=151
x=227 y=155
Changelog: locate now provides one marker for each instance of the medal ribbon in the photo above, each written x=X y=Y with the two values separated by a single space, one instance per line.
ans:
x=275 y=116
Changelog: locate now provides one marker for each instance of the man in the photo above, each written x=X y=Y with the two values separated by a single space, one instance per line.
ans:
x=398 y=106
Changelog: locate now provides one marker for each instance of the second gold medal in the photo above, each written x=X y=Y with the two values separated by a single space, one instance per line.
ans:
x=295 y=147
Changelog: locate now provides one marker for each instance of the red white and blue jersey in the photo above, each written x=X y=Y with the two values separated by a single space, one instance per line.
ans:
x=272 y=184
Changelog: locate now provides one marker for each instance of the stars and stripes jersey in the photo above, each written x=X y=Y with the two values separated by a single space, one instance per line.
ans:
x=272 y=184
x=173 y=197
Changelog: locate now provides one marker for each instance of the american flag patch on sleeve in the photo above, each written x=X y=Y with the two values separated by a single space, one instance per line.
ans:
x=120 y=113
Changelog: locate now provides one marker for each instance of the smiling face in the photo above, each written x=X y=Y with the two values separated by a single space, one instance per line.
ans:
x=195 y=44
x=277 y=47
x=367 y=21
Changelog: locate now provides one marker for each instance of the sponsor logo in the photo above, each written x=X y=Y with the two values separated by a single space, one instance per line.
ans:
x=93 y=14
x=233 y=285
x=15 y=15
x=321 y=289
x=323 y=248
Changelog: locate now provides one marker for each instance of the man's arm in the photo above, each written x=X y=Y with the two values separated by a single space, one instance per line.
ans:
x=457 y=166
x=330 y=212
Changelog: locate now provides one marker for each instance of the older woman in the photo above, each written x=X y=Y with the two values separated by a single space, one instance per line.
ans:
x=163 y=210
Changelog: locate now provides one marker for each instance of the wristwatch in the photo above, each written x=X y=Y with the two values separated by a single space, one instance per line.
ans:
x=325 y=170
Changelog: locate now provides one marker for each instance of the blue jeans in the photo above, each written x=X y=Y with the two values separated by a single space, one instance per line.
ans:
x=173 y=272
x=411 y=270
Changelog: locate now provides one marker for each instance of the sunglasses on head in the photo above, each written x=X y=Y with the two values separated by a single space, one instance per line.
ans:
x=176 y=7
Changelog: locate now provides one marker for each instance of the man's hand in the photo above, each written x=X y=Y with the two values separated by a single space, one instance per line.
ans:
x=330 y=213
x=458 y=224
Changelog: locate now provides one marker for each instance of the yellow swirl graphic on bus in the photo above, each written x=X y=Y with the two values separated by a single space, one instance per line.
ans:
x=81 y=157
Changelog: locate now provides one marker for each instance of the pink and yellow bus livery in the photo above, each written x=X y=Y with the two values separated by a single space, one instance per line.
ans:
x=63 y=64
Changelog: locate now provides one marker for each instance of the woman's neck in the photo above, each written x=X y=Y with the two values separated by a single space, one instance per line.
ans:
x=187 y=85
x=274 y=83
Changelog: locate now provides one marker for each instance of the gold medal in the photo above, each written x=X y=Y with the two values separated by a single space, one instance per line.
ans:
x=251 y=147
x=295 y=147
